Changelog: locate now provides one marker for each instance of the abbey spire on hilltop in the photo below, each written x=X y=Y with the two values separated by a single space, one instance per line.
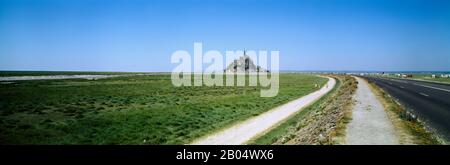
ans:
x=244 y=65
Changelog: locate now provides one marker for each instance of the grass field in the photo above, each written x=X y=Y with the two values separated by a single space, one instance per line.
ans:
x=426 y=77
x=299 y=125
x=141 y=109
x=51 y=73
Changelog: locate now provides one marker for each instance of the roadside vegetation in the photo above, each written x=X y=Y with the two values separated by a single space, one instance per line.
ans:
x=427 y=77
x=409 y=129
x=322 y=122
x=140 y=109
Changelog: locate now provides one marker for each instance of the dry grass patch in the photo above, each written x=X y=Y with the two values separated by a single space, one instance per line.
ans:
x=319 y=123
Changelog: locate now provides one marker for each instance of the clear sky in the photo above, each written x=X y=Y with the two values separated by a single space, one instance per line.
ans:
x=130 y=35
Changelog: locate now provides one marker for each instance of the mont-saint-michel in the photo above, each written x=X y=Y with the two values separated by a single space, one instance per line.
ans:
x=244 y=65
x=224 y=72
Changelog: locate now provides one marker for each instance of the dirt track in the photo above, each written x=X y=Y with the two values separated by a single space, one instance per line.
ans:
x=370 y=124
x=246 y=130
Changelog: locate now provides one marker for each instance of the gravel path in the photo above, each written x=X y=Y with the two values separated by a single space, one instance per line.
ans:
x=370 y=124
x=243 y=132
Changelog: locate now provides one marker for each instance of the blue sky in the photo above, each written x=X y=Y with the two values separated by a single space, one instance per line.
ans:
x=120 y=35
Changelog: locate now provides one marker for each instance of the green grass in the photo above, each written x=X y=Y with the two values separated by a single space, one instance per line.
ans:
x=130 y=110
x=50 y=73
x=282 y=129
x=426 y=77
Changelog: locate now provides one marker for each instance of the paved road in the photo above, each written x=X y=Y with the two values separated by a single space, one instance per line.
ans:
x=243 y=132
x=430 y=101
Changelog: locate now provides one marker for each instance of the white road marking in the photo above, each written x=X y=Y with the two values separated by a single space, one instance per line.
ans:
x=400 y=81
x=423 y=94
x=446 y=90
x=398 y=102
x=402 y=87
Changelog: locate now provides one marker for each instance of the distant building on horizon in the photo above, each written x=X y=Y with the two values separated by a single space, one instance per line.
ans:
x=244 y=65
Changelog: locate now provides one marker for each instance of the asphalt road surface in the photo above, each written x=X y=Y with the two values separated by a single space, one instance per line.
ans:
x=430 y=101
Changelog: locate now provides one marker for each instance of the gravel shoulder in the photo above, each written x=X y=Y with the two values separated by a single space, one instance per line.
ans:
x=370 y=124
x=246 y=130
